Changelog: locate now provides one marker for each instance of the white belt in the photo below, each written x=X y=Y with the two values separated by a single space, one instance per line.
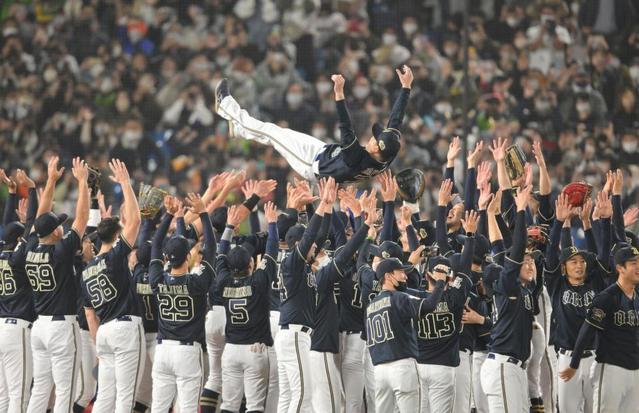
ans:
x=178 y=343
x=18 y=322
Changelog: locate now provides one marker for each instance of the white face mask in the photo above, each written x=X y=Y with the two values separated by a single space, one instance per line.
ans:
x=389 y=39
x=294 y=100
x=629 y=147
x=131 y=139
x=50 y=75
x=512 y=21
x=409 y=28
x=634 y=74
x=318 y=132
x=323 y=87
x=583 y=107
x=323 y=262
x=361 y=92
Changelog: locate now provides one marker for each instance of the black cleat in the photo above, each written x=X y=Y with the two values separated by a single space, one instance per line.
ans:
x=221 y=91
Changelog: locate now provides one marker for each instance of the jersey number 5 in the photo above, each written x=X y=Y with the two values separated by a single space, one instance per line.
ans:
x=41 y=277
x=237 y=308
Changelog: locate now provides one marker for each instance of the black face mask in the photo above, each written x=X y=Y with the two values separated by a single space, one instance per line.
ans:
x=476 y=275
x=401 y=286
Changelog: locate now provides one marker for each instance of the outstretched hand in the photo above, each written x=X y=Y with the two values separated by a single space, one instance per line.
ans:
x=270 y=212
x=195 y=203
x=498 y=149
x=338 y=86
x=53 y=172
x=405 y=77
x=80 y=170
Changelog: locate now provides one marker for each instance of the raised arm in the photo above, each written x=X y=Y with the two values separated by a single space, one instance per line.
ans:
x=81 y=174
x=131 y=208
x=515 y=258
x=12 y=202
x=347 y=134
x=441 y=228
x=197 y=207
x=469 y=223
x=156 y=265
x=396 y=118
x=619 y=230
x=22 y=179
x=604 y=236
x=454 y=149
x=53 y=175
x=470 y=186
x=388 y=189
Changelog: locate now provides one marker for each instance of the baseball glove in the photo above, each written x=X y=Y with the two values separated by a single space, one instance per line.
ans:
x=410 y=184
x=577 y=193
x=94 y=180
x=151 y=200
x=537 y=233
x=515 y=162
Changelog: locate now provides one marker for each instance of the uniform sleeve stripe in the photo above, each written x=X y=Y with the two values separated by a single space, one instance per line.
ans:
x=513 y=261
x=271 y=258
x=595 y=326
x=156 y=259
x=128 y=244
x=341 y=274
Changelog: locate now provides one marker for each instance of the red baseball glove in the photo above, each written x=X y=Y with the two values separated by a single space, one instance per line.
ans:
x=577 y=193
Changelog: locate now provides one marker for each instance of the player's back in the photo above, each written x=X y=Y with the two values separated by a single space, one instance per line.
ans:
x=16 y=297
x=147 y=302
x=297 y=291
x=51 y=274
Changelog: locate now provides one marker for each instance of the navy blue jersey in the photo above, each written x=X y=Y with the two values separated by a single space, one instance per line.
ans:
x=483 y=331
x=246 y=299
x=438 y=331
x=351 y=315
x=469 y=332
x=51 y=274
x=616 y=318
x=369 y=286
x=108 y=286
x=147 y=302
x=79 y=267
x=16 y=297
x=297 y=283
x=275 y=284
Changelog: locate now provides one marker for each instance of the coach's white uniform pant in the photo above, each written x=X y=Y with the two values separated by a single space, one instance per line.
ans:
x=548 y=370
x=245 y=370
x=56 y=360
x=576 y=395
x=615 y=389
x=505 y=385
x=86 y=382
x=398 y=387
x=177 y=372
x=352 y=368
x=15 y=364
x=214 y=327
x=299 y=149
x=369 y=381
x=121 y=350
x=273 y=380
x=479 y=397
x=328 y=395
x=145 y=388
x=533 y=368
x=438 y=387
x=463 y=383
x=293 y=348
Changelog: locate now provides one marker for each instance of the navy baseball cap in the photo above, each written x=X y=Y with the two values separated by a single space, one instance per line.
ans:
x=177 y=249
x=425 y=231
x=482 y=246
x=294 y=234
x=438 y=260
x=45 y=224
x=387 y=140
x=626 y=254
x=218 y=218
x=390 y=265
x=285 y=221
x=239 y=258
x=568 y=253
x=387 y=249
x=12 y=232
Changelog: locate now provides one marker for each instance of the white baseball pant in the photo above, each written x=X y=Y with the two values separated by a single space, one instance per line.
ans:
x=398 y=387
x=533 y=368
x=548 y=375
x=505 y=385
x=245 y=369
x=15 y=364
x=479 y=397
x=57 y=351
x=121 y=350
x=576 y=395
x=438 y=387
x=463 y=383
x=273 y=380
x=177 y=372
x=215 y=325
x=86 y=382
x=299 y=149
x=369 y=381
x=615 y=389
x=328 y=394
x=293 y=348
x=145 y=388
x=352 y=367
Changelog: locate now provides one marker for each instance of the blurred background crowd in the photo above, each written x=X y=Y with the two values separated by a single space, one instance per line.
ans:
x=134 y=79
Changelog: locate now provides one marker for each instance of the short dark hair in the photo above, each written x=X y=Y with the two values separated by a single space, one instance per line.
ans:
x=108 y=229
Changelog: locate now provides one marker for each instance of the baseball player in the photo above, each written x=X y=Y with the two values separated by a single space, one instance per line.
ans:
x=614 y=317
x=16 y=301
x=327 y=383
x=245 y=289
x=503 y=376
x=109 y=293
x=55 y=337
x=573 y=283
x=392 y=339
x=178 y=362
x=310 y=157
x=297 y=311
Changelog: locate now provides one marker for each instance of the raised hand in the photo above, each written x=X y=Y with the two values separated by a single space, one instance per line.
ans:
x=234 y=216
x=404 y=217
x=484 y=173
x=494 y=206
x=216 y=183
x=604 y=205
x=329 y=191
x=498 y=149
x=195 y=203
x=338 y=85
x=370 y=208
x=454 y=148
x=470 y=221
x=171 y=204
x=348 y=201
x=388 y=186
x=22 y=179
x=120 y=172
x=80 y=170
x=522 y=197
x=265 y=187
x=270 y=212
x=617 y=182
x=445 y=193
x=630 y=217
x=416 y=256
x=22 y=210
x=53 y=173
x=179 y=212
x=405 y=78
x=528 y=175
x=484 y=196
x=235 y=180
x=563 y=210
x=608 y=185
x=475 y=155
x=104 y=211
x=586 y=210
x=11 y=184
x=539 y=154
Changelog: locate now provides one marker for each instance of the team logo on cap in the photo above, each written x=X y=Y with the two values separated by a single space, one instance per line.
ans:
x=423 y=233
x=381 y=145
x=597 y=314
x=573 y=250
x=385 y=254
